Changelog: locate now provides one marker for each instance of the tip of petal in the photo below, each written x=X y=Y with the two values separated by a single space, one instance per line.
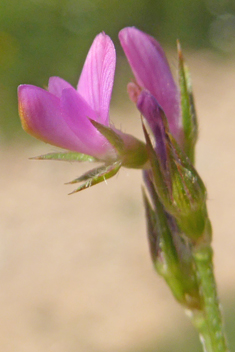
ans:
x=102 y=36
x=102 y=40
x=130 y=33
x=125 y=31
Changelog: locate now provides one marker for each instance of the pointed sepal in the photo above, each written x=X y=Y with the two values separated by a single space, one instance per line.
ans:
x=67 y=156
x=131 y=151
x=110 y=134
x=95 y=176
x=189 y=118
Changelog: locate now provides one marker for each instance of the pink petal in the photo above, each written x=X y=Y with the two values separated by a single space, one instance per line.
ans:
x=77 y=112
x=96 y=80
x=56 y=85
x=152 y=72
x=41 y=117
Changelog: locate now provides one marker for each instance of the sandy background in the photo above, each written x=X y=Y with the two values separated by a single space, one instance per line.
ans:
x=75 y=272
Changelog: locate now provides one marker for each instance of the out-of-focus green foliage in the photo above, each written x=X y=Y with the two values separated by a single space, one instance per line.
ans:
x=42 y=38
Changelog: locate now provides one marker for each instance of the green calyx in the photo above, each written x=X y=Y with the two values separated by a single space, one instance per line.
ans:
x=178 y=185
x=170 y=252
x=131 y=152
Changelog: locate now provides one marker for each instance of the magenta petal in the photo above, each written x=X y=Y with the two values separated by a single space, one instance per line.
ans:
x=41 y=117
x=56 y=85
x=96 y=80
x=152 y=72
x=77 y=112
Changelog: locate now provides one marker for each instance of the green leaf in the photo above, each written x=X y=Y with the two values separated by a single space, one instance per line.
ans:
x=95 y=176
x=67 y=156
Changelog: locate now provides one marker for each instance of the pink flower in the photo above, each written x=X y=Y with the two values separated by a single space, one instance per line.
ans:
x=61 y=115
x=152 y=73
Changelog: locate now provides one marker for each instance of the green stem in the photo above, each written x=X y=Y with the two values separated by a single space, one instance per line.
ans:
x=213 y=326
x=199 y=321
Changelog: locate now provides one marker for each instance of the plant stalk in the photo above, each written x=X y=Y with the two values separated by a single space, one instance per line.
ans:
x=199 y=321
x=209 y=323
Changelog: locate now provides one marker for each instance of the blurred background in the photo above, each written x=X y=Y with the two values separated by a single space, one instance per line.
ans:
x=75 y=272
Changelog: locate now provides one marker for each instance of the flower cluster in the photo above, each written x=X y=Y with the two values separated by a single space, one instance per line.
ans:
x=78 y=120
x=178 y=227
